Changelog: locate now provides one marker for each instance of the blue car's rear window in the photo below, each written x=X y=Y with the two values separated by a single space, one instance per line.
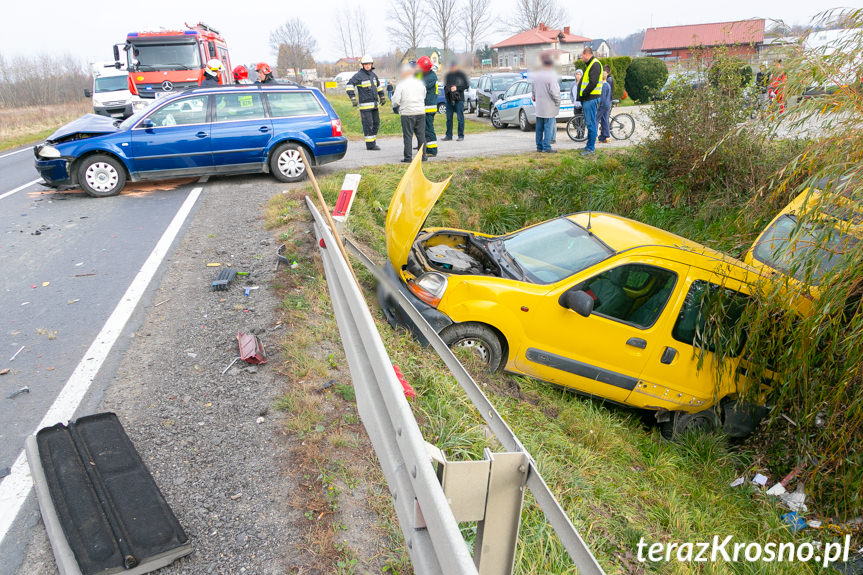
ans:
x=287 y=104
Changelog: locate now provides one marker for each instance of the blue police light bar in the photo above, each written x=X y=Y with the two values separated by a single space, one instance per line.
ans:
x=191 y=32
x=132 y=34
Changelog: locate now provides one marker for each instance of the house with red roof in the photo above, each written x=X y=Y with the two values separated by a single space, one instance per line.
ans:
x=523 y=49
x=744 y=38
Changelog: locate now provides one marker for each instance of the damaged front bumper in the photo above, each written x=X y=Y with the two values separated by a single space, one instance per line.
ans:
x=57 y=172
x=399 y=318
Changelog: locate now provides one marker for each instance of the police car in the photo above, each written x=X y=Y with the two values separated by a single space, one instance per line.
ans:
x=516 y=107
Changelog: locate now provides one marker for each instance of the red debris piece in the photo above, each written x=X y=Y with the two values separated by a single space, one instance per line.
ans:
x=409 y=391
x=251 y=348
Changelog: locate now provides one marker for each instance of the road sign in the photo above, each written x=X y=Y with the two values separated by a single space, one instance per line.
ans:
x=486 y=62
x=331 y=84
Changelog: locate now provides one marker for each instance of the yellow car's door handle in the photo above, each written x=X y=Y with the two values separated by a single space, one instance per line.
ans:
x=637 y=342
x=668 y=355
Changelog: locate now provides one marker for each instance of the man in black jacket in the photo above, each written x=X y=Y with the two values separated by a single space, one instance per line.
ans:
x=365 y=90
x=455 y=83
x=589 y=91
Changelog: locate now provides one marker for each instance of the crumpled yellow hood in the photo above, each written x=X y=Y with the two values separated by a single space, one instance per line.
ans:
x=414 y=199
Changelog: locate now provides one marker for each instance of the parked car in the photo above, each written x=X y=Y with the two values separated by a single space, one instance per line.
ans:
x=515 y=106
x=441 y=99
x=593 y=302
x=489 y=87
x=470 y=95
x=219 y=130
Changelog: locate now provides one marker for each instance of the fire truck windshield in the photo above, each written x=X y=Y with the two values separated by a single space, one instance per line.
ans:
x=150 y=56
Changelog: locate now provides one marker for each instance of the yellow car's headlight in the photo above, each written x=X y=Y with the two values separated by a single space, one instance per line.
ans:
x=429 y=287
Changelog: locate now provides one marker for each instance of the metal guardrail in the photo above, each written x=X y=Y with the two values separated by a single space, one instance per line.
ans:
x=428 y=506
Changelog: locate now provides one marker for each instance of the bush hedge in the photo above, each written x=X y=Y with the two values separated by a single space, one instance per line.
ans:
x=645 y=78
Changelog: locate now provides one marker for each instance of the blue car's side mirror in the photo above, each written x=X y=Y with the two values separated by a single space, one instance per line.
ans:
x=146 y=123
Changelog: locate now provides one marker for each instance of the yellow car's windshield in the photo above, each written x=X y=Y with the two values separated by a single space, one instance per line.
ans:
x=792 y=249
x=554 y=250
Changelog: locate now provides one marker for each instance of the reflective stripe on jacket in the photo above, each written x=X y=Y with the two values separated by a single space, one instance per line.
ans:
x=365 y=88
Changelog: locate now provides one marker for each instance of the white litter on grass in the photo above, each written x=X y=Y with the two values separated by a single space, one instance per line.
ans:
x=795 y=501
x=777 y=489
x=738 y=482
x=814 y=524
x=759 y=480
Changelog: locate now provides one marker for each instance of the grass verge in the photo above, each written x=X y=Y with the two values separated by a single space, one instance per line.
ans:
x=612 y=473
x=21 y=126
x=390 y=121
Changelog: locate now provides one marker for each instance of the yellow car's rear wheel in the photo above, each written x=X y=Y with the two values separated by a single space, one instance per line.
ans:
x=480 y=339
x=682 y=422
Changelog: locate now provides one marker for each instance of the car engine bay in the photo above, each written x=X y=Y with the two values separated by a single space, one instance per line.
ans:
x=452 y=252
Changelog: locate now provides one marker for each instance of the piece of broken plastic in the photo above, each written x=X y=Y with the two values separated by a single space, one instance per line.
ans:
x=795 y=521
x=759 y=479
x=777 y=490
x=738 y=482
x=409 y=391
x=795 y=500
x=251 y=348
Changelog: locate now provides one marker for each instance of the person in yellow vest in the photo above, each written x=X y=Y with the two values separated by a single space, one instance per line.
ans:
x=365 y=90
x=589 y=91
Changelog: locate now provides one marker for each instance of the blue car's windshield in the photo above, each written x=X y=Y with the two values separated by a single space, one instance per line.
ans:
x=555 y=250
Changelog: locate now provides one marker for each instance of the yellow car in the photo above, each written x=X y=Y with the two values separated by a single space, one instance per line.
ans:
x=593 y=302
x=786 y=246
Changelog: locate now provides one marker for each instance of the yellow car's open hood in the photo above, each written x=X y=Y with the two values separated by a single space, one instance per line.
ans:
x=409 y=208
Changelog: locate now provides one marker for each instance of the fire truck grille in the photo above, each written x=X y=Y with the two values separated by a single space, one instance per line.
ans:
x=150 y=90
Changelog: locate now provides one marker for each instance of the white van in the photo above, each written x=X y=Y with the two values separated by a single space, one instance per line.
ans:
x=110 y=91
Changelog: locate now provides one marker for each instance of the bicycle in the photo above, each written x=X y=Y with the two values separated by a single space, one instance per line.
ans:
x=621 y=125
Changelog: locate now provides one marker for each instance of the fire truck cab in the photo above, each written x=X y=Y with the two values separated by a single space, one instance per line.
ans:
x=170 y=60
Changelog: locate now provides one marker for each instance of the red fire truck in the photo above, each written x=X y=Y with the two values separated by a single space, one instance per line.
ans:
x=170 y=60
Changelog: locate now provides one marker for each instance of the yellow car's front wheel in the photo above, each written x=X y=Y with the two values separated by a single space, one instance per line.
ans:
x=482 y=340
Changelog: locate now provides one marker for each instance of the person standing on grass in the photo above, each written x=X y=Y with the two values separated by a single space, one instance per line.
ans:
x=545 y=94
x=409 y=100
x=364 y=89
x=429 y=80
x=589 y=90
x=455 y=84
x=604 y=108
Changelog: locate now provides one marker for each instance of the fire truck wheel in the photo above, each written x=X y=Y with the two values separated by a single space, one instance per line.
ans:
x=286 y=163
x=101 y=176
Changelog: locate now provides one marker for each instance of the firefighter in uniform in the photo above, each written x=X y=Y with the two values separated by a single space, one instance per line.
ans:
x=365 y=91
x=211 y=73
x=429 y=78
x=265 y=74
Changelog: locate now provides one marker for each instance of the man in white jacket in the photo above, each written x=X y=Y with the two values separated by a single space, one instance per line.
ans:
x=409 y=99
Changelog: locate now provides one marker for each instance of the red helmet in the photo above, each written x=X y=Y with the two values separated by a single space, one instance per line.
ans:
x=240 y=73
x=425 y=63
x=263 y=67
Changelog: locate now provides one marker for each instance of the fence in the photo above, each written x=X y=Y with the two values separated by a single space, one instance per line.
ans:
x=430 y=502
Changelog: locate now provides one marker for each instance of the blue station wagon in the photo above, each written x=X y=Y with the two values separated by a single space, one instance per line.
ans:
x=205 y=131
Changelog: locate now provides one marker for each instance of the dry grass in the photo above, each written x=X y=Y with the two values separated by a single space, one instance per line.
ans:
x=19 y=126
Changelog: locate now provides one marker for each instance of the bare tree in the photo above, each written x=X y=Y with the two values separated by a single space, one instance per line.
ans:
x=345 y=34
x=531 y=13
x=442 y=16
x=293 y=44
x=362 y=37
x=476 y=16
x=407 y=24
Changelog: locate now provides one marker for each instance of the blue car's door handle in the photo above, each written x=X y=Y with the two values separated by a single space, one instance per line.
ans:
x=263 y=129
x=201 y=134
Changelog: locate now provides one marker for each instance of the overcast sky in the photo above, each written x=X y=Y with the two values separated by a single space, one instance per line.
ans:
x=87 y=30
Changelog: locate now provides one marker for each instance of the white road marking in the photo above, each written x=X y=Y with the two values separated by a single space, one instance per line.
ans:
x=15 y=152
x=16 y=486
x=19 y=188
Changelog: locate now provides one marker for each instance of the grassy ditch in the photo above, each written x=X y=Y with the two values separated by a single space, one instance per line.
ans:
x=612 y=473
x=391 y=122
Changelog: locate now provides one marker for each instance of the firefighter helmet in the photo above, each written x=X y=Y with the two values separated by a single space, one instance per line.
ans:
x=264 y=68
x=240 y=73
x=425 y=64
x=367 y=59
x=214 y=65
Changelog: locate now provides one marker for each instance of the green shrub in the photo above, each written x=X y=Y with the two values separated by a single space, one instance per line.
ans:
x=645 y=78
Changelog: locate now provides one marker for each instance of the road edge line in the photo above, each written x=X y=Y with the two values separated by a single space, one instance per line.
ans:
x=19 y=188
x=15 y=487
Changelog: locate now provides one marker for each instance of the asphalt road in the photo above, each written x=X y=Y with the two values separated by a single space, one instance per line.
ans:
x=66 y=261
